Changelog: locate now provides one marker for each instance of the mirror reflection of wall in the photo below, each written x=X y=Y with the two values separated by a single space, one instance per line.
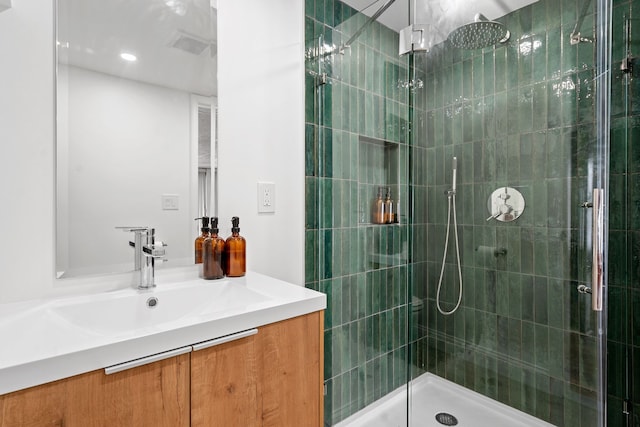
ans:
x=130 y=127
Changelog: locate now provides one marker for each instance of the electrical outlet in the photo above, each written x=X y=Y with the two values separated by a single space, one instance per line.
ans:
x=266 y=197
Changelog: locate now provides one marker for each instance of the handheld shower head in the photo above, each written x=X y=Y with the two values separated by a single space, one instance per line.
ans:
x=454 y=167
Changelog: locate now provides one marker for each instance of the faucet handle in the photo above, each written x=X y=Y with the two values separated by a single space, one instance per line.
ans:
x=155 y=250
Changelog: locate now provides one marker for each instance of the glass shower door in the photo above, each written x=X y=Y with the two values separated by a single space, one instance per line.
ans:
x=357 y=203
x=524 y=112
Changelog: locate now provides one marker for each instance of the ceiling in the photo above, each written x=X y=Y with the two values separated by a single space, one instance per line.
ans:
x=442 y=15
x=93 y=33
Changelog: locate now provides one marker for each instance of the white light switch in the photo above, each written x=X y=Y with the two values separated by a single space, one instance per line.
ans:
x=170 y=202
x=266 y=197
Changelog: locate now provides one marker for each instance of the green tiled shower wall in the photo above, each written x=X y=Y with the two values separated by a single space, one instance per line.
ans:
x=521 y=115
x=356 y=142
x=624 y=222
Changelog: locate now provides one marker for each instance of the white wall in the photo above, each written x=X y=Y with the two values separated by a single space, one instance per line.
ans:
x=26 y=150
x=263 y=139
x=129 y=143
x=261 y=101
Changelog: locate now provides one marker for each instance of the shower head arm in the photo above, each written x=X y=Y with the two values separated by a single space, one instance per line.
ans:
x=367 y=24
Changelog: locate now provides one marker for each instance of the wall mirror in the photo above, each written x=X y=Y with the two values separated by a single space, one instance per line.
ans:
x=136 y=109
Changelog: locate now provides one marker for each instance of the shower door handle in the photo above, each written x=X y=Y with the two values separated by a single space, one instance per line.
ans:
x=597 y=269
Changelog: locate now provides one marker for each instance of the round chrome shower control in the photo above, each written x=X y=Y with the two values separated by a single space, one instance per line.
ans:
x=505 y=204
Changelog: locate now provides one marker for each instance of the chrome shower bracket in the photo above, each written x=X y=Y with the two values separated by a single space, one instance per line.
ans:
x=576 y=38
x=418 y=38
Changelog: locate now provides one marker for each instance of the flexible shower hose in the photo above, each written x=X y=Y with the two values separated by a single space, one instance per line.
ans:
x=452 y=201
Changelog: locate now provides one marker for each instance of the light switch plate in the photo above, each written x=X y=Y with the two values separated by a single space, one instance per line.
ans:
x=266 y=197
x=170 y=202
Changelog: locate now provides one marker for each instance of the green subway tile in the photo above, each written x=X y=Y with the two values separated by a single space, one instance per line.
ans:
x=588 y=362
x=500 y=70
x=477 y=119
x=515 y=387
x=501 y=114
x=513 y=117
x=554 y=54
x=311 y=256
x=512 y=64
x=502 y=294
x=525 y=109
x=478 y=75
x=467 y=79
x=457 y=82
x=515 y=296
x=559 y=152
x=556 y=407
x=325 y=287
x=539 y=57
x=528 y=343
x=527 y=295
x=310 y=112
x=569 y=100
x=466 y=118
x=542 y=396
x=319 y=10
x=525 y=61
x=541 y=300
x=336 y=302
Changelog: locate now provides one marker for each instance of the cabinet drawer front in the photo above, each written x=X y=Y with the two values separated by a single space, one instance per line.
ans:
x=225 y=339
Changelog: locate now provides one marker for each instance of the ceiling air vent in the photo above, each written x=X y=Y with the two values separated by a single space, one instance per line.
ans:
x=189 y=43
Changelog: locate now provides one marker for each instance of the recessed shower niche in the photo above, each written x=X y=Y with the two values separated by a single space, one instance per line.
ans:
x=379 y=182
x=382 y=180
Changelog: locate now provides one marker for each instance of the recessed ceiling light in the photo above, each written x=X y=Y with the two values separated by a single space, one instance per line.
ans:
x=177 y=6
x=128 y=56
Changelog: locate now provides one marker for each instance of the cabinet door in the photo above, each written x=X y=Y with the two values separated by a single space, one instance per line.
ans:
x=152 y=395
x=224 y=385
x=41 y=406
x=291 y=375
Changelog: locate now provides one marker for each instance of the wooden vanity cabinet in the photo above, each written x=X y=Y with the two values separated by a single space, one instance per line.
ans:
x=292 y=372
x=224 y=385
x=272 y=378
x=156 y=394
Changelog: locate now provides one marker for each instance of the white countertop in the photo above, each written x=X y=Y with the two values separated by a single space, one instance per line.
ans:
x=43 y=341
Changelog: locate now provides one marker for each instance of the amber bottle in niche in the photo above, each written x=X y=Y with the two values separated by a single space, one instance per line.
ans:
x=389 y=216
x=213 y=252
x=377 y=209
x=235 y=250
x=204 y=233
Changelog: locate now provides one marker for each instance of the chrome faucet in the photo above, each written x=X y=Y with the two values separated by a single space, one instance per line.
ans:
x=146 y=251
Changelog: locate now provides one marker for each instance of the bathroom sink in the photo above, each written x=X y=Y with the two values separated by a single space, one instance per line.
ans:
x=130 y=310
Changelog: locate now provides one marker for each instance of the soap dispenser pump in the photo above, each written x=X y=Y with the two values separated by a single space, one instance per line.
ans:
x=204 y=233
x=235 y=249
x=213 y=251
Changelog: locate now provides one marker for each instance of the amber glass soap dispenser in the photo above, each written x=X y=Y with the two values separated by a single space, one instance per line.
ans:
x=204 y=233
x=213 y=251
x=377 y=209
x=235 y=249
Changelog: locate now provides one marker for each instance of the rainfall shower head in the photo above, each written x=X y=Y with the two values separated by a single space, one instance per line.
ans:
x=479 y=34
